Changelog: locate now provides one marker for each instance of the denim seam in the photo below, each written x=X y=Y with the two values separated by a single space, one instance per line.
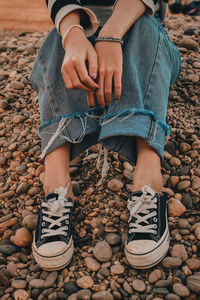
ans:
x=127 y=112
x=49 y=98
x=149 y=85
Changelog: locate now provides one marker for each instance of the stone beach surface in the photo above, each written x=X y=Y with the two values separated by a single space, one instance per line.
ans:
x=99 y=269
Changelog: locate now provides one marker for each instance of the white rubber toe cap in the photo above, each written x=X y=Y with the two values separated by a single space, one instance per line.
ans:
x=141 y=247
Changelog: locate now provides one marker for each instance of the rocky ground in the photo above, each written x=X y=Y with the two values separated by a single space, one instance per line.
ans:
x=99 y=269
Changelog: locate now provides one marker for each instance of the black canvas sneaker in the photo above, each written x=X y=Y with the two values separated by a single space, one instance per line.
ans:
x=148 y=234
x=52 y=243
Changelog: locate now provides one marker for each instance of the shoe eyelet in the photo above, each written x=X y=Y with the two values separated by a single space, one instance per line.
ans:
x=67 y=216
x=65 y=234
x=155 y=226
x=155 y=219
x=42 y=230
x=67 y=227
x=66 y=222
x=43 y=224
x=155 y=232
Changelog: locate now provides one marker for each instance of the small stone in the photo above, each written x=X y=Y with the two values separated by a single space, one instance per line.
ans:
x=193 y=263
x=187 y=200
x=17 y=85
x=4 y=281
x=70 y=287
x=18 y=119
x=22 y=188
x=174 y=161
x=196 y=183
x=20 y=295
x=22 y=237
x=12 y=269
x=172 y=297
x=174 y=180
x=127 y=166
x=181 y=290
x=102 y=251
x=85 y=282
x=51 y=279
x=184 y=147
x=92 y=264
x=104 y=295
x=175 y=208
x=8 y=249
x=127 y=287
x=179 y=251
x=193 y=283
x=197 y=232
x=30 y=222
x=162 y=283
x=72 y=297
x=18 y=284
x=189 y=44
x=128 y=174
x=155 y=276
x=37 y=283
x=84 y=294
x=115 y=185
x=171 y=262
x=138 y=285
x=117 y=269
x=183 y=185
x=113 y=239
x=183 y=224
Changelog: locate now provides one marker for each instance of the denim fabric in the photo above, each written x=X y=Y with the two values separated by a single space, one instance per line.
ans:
x=151 y=62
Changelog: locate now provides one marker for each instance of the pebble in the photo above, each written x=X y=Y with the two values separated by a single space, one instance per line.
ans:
x=30 y=222
x=115 y=185
x=20 y=295
x=104 y=295
x=92 y=264
x=138 y=285
x=19 y=284
x=193 y=263
x=181 y=290
x=84 y=294
x=171 y=262
x=85 y=282
x=155 y=275
x=37 y=283
x=193 y=283
x=22 y=237
x=4 y=280
x=51 y=279
x=117 y=269
x=127 y=287
x=113 y=239
x=172 y=297
x=102 y=251
x=8 y=249
x=175 y=208
x=183 y=185
x=179 y=251
x=189 y=44
x=70 y=287
x=22 y=188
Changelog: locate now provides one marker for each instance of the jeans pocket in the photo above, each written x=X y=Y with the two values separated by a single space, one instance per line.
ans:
x=174 y=54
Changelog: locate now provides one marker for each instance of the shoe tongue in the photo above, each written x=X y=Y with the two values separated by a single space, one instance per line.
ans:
x=50 y=198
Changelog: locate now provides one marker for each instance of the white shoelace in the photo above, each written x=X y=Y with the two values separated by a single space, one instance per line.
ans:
x=142 y=205
x=56 y=209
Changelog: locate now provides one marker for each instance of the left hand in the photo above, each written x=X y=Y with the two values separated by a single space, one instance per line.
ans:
x=110 y=60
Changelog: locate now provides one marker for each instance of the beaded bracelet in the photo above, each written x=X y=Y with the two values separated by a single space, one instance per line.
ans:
x=109 y=39
x=67 y=32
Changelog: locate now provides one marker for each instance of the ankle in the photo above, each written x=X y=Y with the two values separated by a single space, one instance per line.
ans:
x=142 y=178
x=51 y=185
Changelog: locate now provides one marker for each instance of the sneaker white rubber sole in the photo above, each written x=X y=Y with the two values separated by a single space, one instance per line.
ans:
x=54 y=262
x=151 y=258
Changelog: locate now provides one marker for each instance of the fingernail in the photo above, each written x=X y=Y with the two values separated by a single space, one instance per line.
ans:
x=94 y=76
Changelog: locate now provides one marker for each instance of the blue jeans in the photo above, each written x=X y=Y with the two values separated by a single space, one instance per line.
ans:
x=151 y=62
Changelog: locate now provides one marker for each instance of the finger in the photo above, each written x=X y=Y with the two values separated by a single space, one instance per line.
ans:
x=90 y=99
x=100 y=91
x=108 y=87
x=92 y=64
x=118 y=85
x=84 y=76
x=67 y=81
x=77 y=84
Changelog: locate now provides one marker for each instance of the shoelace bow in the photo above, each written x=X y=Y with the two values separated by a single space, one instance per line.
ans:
x=142 y=205
x=58 y=209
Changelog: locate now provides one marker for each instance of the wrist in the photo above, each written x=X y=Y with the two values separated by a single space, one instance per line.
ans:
x=72 y=32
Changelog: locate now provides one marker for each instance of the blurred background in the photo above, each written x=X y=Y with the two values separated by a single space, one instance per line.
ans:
x=20 y=15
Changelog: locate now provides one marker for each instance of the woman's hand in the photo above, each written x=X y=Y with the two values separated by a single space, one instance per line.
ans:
x=109 y=56
x=79 y=51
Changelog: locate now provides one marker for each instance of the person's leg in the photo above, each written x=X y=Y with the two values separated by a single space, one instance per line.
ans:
x=148 y=164
x=57 y=170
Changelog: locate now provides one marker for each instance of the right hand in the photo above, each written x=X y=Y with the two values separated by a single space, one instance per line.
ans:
x=78 y=51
